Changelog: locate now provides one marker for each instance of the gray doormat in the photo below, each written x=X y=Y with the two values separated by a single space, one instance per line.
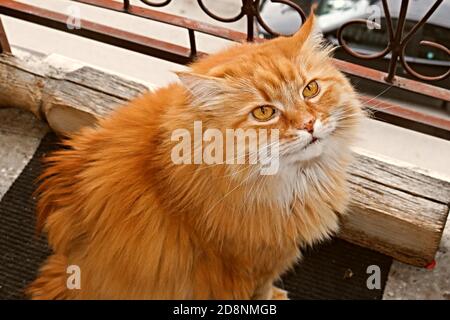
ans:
x=334 y=270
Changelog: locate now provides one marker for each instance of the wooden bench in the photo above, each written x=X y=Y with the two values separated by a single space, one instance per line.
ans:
x=396 y=209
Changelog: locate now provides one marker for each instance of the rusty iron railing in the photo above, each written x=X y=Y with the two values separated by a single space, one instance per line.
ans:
x=4 y=43
x=397 y=42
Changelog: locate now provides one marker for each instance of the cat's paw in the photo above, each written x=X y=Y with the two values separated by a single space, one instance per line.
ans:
x=279 y=294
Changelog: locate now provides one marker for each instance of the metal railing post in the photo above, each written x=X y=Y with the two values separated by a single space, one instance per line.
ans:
x=4 y=44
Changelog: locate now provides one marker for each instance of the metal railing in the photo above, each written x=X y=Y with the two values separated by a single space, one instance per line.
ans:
x=250 y=9
x=397 y=43
x=4 y=43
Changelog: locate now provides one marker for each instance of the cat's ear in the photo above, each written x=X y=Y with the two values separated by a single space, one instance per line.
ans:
x=309 y=33
x=204 y=89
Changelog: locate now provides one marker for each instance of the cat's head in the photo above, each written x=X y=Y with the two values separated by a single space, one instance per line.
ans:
x=289 y=84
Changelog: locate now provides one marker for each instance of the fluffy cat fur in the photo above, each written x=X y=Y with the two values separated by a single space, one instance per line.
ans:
x=141 y=227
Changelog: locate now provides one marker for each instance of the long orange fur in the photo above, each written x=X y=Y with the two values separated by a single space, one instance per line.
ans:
x=140 y=227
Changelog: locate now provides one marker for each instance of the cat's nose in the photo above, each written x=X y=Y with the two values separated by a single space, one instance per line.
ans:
x=308 y=124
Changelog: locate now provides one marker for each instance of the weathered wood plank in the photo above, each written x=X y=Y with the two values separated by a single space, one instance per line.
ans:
x=395 y=222
x=395 y=208
x=66 y=97
x=396 y=175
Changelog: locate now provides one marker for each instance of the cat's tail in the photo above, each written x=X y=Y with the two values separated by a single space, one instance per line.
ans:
x=51 y=283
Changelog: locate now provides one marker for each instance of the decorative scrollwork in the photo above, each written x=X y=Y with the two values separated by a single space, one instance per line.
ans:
x=126 y=3
x=250 y=8
x=221 y=19
x=397 y=43
x=286 y=2
x=158 y=4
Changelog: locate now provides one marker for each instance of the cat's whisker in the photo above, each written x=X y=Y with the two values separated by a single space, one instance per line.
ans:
x=227 y=194
x=235 y=160
x=380 y=94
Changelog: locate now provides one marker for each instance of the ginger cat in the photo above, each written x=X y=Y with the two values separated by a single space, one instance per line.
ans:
x=140 y=226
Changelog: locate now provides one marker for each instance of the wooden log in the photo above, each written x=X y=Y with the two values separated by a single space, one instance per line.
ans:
x=66 y=94
x=395 y=209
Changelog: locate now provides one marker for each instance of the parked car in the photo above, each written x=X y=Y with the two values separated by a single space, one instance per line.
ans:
x=331 y=14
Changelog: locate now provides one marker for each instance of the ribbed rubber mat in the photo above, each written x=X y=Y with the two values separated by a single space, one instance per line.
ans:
x=335 y=270
x=21 y=252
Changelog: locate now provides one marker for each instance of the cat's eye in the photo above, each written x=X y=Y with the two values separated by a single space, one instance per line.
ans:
x=311 y=89
x=263 y=113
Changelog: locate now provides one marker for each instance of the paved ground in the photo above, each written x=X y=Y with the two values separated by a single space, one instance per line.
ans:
x=20 y=132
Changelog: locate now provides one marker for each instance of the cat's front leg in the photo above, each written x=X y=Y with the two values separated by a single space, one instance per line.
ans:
x=270 y=292
x=279 y=294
